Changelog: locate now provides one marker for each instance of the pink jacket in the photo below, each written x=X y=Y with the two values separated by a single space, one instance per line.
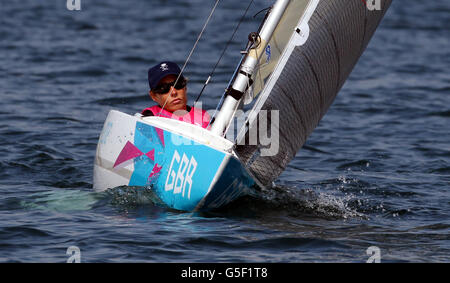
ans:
x=194 y=116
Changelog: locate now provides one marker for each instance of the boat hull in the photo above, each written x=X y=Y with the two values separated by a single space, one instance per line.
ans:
x=187 y=166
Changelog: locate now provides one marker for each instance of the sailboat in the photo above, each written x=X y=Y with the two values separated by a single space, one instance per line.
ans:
x=293 y=68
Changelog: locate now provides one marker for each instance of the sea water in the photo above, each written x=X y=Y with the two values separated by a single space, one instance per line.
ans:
x=374 y=173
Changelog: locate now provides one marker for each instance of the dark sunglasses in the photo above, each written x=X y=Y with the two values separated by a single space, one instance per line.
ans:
x=165 y=87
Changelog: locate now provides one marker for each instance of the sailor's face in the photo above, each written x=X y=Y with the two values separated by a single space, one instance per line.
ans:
x=173 y=99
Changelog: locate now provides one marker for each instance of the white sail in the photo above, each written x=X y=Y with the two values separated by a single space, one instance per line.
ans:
x=298 y=83
x=296 y=12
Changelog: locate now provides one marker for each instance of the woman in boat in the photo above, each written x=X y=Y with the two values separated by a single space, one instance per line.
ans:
x=172 y=98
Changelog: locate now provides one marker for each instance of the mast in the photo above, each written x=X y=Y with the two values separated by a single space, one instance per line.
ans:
x=242 y=79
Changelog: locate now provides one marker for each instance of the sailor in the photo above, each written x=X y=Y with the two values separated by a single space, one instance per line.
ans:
x=172 y=98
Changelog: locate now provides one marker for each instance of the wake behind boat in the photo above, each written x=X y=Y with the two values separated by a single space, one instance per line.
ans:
x=293 y=66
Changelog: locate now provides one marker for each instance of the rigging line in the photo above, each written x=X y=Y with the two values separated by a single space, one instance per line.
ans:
x=192 y=51
x=223 y=51
x=263 y=10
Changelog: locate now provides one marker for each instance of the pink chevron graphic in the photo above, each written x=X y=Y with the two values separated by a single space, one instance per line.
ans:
x=151 y=154
x=156 y=169
x=160 y=135
x=128 y=152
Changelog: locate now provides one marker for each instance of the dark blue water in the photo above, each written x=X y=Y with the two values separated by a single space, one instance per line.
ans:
x=375 y=172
